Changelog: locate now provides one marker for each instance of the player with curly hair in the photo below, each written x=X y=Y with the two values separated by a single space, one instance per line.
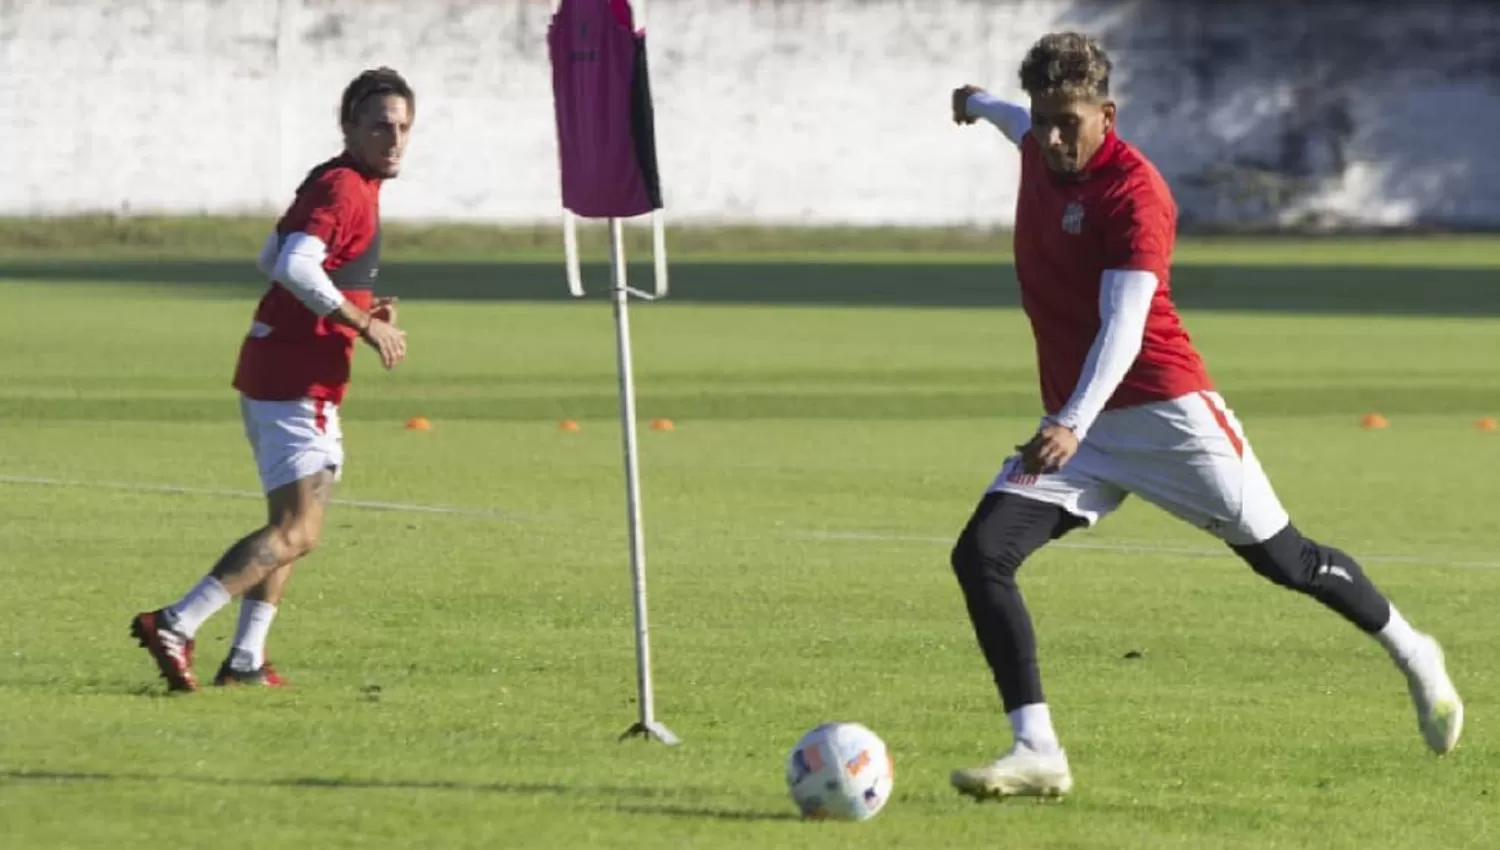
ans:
x=1130 y=408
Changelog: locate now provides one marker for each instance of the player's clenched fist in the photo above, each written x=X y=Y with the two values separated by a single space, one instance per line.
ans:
x=961 y=97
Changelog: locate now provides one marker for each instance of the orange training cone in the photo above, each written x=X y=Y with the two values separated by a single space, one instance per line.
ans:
x=662 y=425
x=1374 y=420
x=418 y=423
x=569 y=425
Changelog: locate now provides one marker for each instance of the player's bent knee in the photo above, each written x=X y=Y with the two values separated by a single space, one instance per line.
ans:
x=298 y=539
x=1278 y=558
x=965 y=558
x=1292 y=560
x=974 y=556
x=1004 y=532
x=959 y=558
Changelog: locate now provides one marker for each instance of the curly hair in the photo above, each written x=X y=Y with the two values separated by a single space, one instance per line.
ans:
x=1066 y=63
x=377 y=82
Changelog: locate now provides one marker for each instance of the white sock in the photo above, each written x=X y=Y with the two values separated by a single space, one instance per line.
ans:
x=202 y=602
x=250 y=637
x=1399 y=638
x=1032 y=725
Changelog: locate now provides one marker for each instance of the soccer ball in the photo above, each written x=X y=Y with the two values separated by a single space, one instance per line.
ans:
x=840 y=771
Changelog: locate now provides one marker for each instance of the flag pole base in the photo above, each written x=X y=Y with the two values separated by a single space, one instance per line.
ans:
x=649 y=729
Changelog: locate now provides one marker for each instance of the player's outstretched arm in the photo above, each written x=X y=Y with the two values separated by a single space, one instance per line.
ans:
x=971 y=103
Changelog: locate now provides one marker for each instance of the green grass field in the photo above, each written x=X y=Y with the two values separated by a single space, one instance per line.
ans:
x=460 y=677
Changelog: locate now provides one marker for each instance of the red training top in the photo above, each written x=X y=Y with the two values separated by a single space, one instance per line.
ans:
x=291 y=352
x=1117 y=214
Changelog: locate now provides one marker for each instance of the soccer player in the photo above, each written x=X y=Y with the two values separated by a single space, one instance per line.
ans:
x=1129 y=409
x=322 y=259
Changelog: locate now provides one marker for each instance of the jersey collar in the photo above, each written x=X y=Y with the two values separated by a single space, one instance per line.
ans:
x=348 y=159
x=1107 y=155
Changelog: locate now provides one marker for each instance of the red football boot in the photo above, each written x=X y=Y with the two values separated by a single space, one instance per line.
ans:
x=264 y=676
x=172 y=651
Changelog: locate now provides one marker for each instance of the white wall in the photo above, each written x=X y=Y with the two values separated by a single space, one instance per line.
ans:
x=821 y=111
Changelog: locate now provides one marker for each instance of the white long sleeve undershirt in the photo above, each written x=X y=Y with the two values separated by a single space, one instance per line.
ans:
x=296 y=262
x=1012 y=119
x=1124 y=303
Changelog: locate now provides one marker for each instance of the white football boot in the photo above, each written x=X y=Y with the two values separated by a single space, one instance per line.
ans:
x=1022 y=772
x=1440 y=711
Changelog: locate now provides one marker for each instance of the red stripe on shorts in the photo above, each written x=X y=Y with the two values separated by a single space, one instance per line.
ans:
x=1219 y=417
x=320 y=418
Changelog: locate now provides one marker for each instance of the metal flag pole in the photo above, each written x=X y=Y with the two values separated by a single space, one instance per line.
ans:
x=647 y=726
x=568 y=61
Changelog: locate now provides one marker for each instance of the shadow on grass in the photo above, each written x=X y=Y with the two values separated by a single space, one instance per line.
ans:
x=713 y=814
x=639 y=798
x=1352 y=289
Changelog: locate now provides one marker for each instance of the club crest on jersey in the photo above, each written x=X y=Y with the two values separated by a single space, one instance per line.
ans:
x=1072 y=220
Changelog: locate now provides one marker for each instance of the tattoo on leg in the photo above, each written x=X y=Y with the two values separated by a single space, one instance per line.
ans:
x=262 y=555
x=252 y=550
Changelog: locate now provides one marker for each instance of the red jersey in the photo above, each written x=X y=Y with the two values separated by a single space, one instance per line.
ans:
x=291 y=352
x=1070 y=229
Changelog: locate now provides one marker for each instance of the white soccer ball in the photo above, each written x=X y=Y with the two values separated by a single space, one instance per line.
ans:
x=840 y=771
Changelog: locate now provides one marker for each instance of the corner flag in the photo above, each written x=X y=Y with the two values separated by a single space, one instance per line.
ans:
x=607 y=151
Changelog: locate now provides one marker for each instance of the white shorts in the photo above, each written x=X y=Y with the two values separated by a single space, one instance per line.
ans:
x=1188 y=456
x=292 y=440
